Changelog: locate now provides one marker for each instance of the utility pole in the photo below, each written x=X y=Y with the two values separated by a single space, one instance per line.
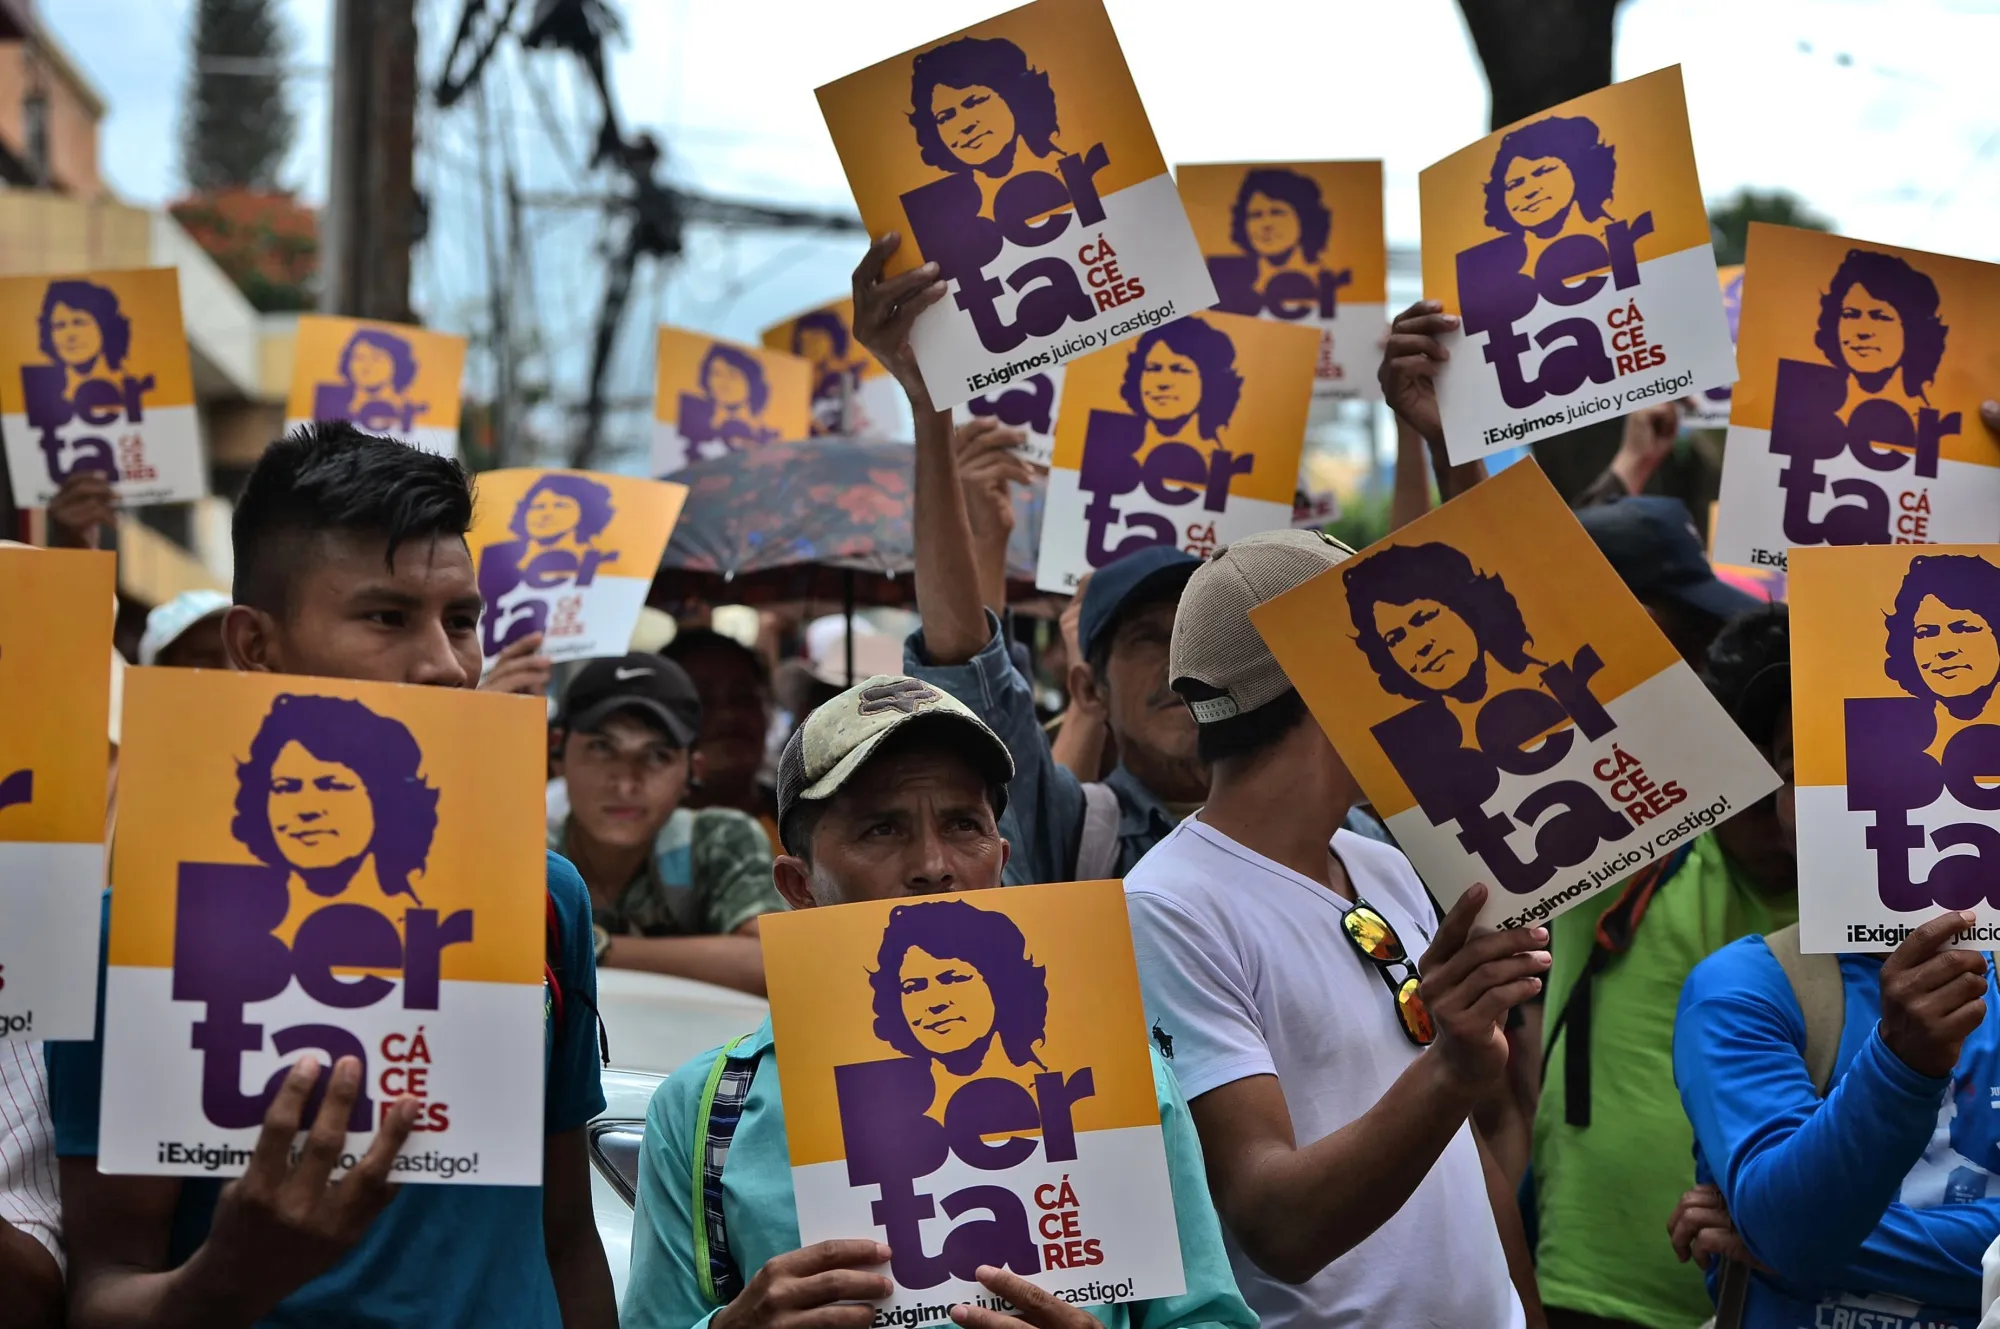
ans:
x=370 y=221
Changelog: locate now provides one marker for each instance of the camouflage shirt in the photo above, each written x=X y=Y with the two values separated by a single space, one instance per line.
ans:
x=710 y=873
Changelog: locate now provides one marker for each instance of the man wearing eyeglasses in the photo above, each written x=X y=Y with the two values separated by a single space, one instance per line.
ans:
x=1278 y=953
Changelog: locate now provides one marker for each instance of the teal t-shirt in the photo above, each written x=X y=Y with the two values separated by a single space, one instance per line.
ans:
x=445 y=1257
x=1605 y=1192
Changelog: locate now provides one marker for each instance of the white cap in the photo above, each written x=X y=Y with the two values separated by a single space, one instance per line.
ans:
x=170 y=621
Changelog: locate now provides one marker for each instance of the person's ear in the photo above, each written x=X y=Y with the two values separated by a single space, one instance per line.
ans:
x=1084 y=694
x=250 y=640
x=793 y=878
x=697 y=768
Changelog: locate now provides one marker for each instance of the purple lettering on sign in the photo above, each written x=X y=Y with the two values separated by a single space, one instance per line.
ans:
x=87 y=339
x=555 y=528
x=1029 y=405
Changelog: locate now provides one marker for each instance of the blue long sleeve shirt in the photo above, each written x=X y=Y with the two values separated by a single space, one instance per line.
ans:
x=1871 y=1207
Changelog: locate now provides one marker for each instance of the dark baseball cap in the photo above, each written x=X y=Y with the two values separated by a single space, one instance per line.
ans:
x=1158 y=569
x=1652 y=544
x=650 y=685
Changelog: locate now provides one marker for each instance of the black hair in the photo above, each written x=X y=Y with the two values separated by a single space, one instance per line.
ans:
x=801 y=821
x=1749 y=670
x=688 y=641
x=330 y=476
x=1247 y=734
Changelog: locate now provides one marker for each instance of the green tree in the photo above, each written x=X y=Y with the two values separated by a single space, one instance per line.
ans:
x=236 y=128
x=1729 y=221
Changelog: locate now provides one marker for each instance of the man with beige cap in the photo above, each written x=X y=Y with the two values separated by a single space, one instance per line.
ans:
x=1279 y=953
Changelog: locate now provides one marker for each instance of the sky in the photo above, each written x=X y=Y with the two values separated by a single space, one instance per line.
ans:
x=1878 y=113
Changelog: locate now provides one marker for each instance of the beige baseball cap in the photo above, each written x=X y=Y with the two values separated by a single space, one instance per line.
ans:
x=839 y=737
x=1215 y=645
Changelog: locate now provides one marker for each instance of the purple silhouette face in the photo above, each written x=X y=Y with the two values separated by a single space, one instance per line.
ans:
x=973 y=100
x=950 y=978
x=821 y=338
x=1544 y=169
x=378 y=363
x=733 y=380
x=1941 y=643
x=562 y=506
x=81 y=326
x=1426 y=619
x=1879 y=315
x=329 y=782
x=1278 y=213
x=1183 y=369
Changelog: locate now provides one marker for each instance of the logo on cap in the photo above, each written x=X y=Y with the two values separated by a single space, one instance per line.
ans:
x=907 y=695
x=627 y=675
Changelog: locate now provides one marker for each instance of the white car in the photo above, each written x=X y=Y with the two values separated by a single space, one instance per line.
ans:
x=615 y=1137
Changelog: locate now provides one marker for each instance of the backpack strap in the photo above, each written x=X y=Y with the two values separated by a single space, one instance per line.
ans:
x=1616 y=927
x=1097 y=846
x=721 y=1110
x=1815 y=981
x=552 y=974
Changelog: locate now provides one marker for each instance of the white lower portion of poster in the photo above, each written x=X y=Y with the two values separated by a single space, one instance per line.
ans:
x=158 y=460
x=1680 y=318
x=1960 y=506
x=1840 y=895
x=1071 y=548
x=1027 y=404
x=1107 y=1214
x=579 y=623
x=1672 y=767
x=51 y=905
x=478 y=1069
x=1350 y=351
x=1144 y=243
x=425 y=438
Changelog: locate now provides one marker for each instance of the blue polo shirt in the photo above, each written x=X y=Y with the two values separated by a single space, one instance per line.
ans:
x=470 y=1256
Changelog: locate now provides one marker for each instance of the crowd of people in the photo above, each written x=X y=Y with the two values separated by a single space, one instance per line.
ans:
x=1653 y=1106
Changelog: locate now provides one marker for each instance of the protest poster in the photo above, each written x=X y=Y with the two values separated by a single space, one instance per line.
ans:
x=1896 y=735
x=311 y=866
x=1574 y=246
x=1710 y=409
x=1190 y=436
x=982 y=1058
x=851 y=392
x=1301 y=242
x=712 y=397
x=94 y=377
x=1510 y=710
x=55 y=676
x=1028 y=404
x=1856 y=420
x=383 y=378
x=568 y=554
x=1015 y=155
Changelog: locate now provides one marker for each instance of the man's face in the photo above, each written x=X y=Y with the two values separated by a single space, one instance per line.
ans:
x=351 y=615
x=1146 y=715
x=200 y=647
x=735 y=715
x=625 y=779
x=913 y=821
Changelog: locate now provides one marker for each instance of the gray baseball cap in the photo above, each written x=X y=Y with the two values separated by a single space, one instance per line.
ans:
x=1217 y=652
x=839 y=737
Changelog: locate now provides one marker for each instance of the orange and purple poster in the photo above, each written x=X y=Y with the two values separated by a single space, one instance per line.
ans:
x=55 y=675
x=1028 y=404
x=1301 y=242
x=568 y=554
x=1895 y=734
x=1190 y=437
x=1710 y=410
x=310 y=866
x=713 y=397
x=1511 y=711
x=94 y=377
x=384 y=378
x=1015 y=154
x=966 y=1079
x=1574 y=246
x=1856 y=420
x=852 y=393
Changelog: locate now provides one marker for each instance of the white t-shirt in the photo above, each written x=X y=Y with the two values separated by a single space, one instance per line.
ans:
x=1246 y=972
x=30 y=1197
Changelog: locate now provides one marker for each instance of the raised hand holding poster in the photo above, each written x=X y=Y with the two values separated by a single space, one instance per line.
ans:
x=1190 y=436
x=1301 y=242
x=1510 y=710
x=340 y=869
x=1028 y=404
x=55 y=711
x=966 y=1079
x=1895 y=664
x=568 y=554
x=1015 y=155
x=94 y=377
x=1710 y=409
x=1575 y=248
x=1856 y=420
x=713 y=397
x=383 y=378
x=851 y=392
